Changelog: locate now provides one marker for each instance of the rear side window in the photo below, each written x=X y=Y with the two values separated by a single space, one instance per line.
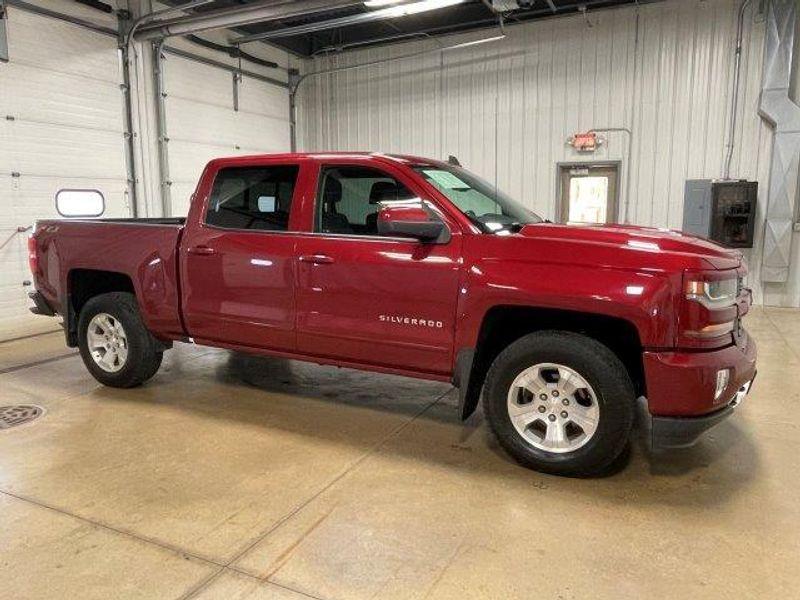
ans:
x=252 y=198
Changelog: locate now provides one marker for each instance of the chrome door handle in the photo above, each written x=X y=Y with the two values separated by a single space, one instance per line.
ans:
x=201 y=250
x=316 y=259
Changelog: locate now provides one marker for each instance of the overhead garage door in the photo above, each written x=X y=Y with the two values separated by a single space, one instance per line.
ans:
x=61 y=126
x=202 y=123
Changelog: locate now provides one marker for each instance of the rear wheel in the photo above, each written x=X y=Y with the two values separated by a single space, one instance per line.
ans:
x=560 y=403
x=115 y=346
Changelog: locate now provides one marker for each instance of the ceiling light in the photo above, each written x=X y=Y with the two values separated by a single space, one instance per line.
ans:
x=495 y=38
x=412 y=8
x=379 y=3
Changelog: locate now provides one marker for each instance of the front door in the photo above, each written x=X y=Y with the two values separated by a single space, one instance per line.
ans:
x=370 y=299
x=588 y=193
x=237 y=265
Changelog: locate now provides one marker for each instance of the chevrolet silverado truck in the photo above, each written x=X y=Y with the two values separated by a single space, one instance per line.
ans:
x=417 y=267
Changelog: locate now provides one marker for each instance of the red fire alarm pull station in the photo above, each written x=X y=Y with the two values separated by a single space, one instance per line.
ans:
x=585 y=142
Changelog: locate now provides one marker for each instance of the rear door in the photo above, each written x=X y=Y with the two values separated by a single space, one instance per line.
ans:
x=370 y=299
x=237 y=262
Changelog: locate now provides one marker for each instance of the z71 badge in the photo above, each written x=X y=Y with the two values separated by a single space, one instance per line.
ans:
x=413 y=321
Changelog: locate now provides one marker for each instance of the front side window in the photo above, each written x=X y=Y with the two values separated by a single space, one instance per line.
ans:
x=252 y=198
x=349 y=199
x=486 y=206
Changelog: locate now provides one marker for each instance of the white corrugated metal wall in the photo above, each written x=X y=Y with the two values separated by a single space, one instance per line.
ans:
x=61 y=126
x=506 y=108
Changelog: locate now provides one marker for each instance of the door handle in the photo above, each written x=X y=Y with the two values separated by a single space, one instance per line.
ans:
x=201 y=250
x=316 y=259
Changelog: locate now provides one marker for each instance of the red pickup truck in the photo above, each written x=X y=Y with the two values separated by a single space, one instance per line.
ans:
x=406 y=265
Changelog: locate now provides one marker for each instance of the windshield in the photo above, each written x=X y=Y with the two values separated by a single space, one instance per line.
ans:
x=486 y=206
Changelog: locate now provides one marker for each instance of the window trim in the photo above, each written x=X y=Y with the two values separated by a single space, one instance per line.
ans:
x=81 y=216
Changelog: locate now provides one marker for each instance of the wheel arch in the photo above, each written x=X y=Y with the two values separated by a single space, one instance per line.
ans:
x=502 y=325
x=84 y=284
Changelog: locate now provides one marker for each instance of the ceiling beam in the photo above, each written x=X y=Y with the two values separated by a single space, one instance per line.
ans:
x=257 y=12
x=368 y=17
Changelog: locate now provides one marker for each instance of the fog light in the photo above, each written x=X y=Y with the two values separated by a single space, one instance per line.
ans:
x=723 y=377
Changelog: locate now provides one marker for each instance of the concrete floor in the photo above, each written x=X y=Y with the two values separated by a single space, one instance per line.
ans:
x=236 y=477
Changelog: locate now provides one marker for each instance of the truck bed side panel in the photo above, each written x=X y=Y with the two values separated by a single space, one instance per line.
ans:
x=145 y=252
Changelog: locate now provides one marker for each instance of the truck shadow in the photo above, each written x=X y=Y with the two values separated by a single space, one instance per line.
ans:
x=288 y=395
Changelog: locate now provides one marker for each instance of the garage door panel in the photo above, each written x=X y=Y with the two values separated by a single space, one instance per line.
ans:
x=34 y=197
x=202 y=123
x=55 y=45
x=61 y=87
x=187 y=79
x=223 y=127
x=34 y=94
x=56 y=150
x=187 y=159
x=181 y=194
x=264 y=99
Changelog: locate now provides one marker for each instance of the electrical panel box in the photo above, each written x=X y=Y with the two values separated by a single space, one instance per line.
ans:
x=3 y=32
x=722 y=211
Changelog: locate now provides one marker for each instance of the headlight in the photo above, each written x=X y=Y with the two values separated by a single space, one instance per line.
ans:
x=713 y=294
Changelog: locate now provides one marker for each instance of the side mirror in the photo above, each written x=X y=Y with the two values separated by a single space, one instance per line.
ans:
x=412 y=222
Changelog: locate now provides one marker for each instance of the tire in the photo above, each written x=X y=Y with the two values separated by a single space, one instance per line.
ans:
x=605 y=406
x=142 y=352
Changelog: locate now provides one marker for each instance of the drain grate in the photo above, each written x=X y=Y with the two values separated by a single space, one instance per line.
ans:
x=19 y=414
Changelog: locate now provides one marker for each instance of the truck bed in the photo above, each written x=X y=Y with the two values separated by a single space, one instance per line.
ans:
x=145 y=251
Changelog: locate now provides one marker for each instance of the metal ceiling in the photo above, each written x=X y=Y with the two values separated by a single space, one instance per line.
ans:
x=470 y=15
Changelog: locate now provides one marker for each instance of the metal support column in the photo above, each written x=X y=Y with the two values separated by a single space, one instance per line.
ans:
x=294 y=83
x=161 y=129
x=784 y=115
x=127 y=111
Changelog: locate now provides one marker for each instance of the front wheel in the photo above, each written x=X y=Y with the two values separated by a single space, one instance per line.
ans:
x=560 y=403
x=115 y=345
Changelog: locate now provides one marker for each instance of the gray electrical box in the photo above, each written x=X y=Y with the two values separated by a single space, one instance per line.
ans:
x=3 y=32
x=697 y=207
x=723 y=211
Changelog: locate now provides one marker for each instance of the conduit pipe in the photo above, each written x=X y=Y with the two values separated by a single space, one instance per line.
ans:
x=737 y=67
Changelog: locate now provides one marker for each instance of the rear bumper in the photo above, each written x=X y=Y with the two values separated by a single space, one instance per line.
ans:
x=681 y=388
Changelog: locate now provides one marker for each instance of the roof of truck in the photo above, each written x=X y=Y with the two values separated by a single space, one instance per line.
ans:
x=402 y=158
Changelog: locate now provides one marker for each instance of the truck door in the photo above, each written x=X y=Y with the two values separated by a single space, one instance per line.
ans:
x=367 y=298
x=237 y=258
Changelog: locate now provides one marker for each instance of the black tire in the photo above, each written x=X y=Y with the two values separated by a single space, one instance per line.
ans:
x=601 y=369
x=144 y=351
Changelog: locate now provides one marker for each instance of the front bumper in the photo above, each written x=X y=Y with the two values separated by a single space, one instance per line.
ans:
x=681 y=432
x=681 y=388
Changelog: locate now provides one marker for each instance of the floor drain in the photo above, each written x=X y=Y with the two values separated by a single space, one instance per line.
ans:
x=19 y=414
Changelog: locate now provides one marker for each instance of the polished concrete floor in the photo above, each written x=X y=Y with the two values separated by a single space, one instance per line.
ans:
x=236 y=477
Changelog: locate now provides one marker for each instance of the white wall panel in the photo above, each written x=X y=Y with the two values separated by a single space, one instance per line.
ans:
x=61 y=127
x=506 y=108
x=202 y=123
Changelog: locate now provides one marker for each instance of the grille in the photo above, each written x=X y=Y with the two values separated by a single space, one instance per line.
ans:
x=19 y=414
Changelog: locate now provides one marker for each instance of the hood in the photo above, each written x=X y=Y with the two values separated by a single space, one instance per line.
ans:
x=657 y=242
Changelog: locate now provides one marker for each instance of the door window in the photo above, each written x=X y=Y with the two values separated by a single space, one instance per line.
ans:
x=252 y=198
x=349 y=199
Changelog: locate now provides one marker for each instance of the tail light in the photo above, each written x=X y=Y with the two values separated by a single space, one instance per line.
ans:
x=33 y=255
x=709 y=312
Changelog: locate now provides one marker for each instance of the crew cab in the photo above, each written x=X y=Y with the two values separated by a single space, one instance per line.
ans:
x=417 y=267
